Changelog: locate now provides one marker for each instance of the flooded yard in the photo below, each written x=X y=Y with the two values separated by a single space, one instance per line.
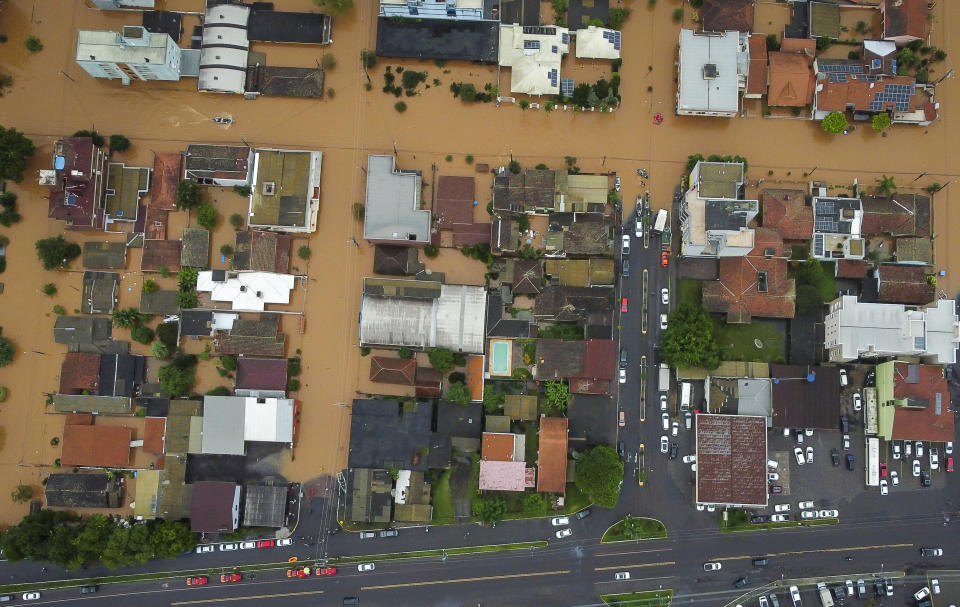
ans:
x=51 y=96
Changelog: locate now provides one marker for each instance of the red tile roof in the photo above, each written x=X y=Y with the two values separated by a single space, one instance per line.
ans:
x=552 y=460
x=737 y=294
x=471 y=234
x=475 y=377
x=155 y=224
x=455 y=196
x=904 y=18
x=393 y=370
x=166 y=178
x=154 y=429
x=767 y=241
x=497 y=447
x=261 y=373
x=787 y=212
x=103 y=446
x=899 y=214
x=904 y=285
x=428 y=382
x=731 y=459
x=80 y=371
x=160 y=253
x=791 y=80
x=757 y=76
x=836 y=96
x=852 y=268
x=924 y=423
x=600 y=361
x=727 y=15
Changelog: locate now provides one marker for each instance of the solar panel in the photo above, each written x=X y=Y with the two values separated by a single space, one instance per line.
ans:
x=616 y=40
x=566 y=87
x=531 y=44
x=565 y=38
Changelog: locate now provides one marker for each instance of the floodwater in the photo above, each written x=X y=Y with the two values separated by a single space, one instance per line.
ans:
x=52 y=96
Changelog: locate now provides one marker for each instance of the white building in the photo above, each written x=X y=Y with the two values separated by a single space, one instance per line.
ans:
x=432 y=9
x=837 y=224
x=713 y=71
x=533 y=55
x=224 y=49
x=597 y=43
x=249 y=291
x=855 y=329
x=714 y=220
x=230 y=421
x=132 y=54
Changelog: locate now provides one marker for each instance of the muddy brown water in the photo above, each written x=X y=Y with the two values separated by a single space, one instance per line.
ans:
x=52 y=96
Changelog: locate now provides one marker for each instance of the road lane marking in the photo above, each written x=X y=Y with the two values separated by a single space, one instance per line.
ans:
x=464 y=580
x=818 y=550
x=634 y=552
x=661 y=564
x=247 y=598
x=638 y=579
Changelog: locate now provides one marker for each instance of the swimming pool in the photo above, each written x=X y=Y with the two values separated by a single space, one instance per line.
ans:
x=500 y=358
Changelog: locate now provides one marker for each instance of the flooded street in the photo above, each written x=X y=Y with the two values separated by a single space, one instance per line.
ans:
x=52 y=97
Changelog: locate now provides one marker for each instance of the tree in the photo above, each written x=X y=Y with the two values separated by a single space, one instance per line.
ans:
x=15 y=149
x=33 y=44
x=187 y=279
x=56 y=251
x=678 y=14
x=400 y=106
x=303 y=252
x=150 y=286
x=6 y=350
x=97 y=138
x=368 y=59
x=886 y=186
x=809 y=302
x=441 y=359
x=431 y=250
x=159 y=350
x=236 y=220
x=21 y=494
x=515 y=167
x=617 y=17
x=167 y=333
x=142 y=334
x=458 y=393
x=524 y=104
x=358 y=211
x=468 y=92
x=812 y=273
x=405 y=353
x=119 y=143
x=226 y=250
x=127 y=318
x=558 y=394
x=535 y=504
x=177 y=378
x=49 y=289
x=580 y=94
x=772 y=43
x=207 y=215
x=189 y=194
x=881 y=121
x=329 y=61
x=689 y=340
x=228 y=362
x=493 y=400
x=490 y=510
x=335 y=7
x=170 y=539
x=599 y=472
x=218 y=391
x=834 y=122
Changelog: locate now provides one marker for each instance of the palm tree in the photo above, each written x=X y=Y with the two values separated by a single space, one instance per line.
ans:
x=886 y=186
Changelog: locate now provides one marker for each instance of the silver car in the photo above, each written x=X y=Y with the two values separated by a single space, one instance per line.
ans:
x=366 y=567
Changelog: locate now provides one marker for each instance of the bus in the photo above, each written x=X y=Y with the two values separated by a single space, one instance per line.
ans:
x=873 y=462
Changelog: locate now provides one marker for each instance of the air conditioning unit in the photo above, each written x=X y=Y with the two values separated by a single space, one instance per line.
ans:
x=269 y=188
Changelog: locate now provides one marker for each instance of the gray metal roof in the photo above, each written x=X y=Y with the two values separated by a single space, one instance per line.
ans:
x=393 y=210
x=88 y=403
x=223 y=421
x=719 y=91
x=264 y=506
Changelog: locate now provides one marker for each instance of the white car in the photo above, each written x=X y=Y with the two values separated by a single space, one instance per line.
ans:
x=623 y=376
x=843 y=378
x=781 y=508
x=665 y=421
x=763 y=601
x=663 y=322
x=935 y=585
x=204 y=548
x=896 y=450
x=857 y=402
x=30 y=596
x=918 y=448
x=798 y=452
x=846 y=443
x=795 y=596
x=779 y=518
x=773 y=477
x=711 y=508
x=921 y=594
x=800 y=437
x=907 y=448
x=663 y=402
x=616 y=183
x=625 y=244
x=366 y=567
x=664 y=297
x=809 y=455
x=805 y=505
x=894 y=478
x=674 y=428
x=689 y=459
x=948 y=448
x=712 y=566
x=849 y=585
x=664 y=444
x=701 y=507
x=621 y=575
x=560 y=521
x=287 y=541
x=884 y=487
x=808 y=431
x=638 y=230
x=564 y=533
x=808 y=514
x=773 y=464
x=829 y=513
x=934 y=459
x=916 y=467
x=247 y=545
x=228 y=547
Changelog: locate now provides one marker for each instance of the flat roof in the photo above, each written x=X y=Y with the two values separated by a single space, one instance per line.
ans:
x=104 y=254
x=801 y=403
x=393 y=203
x=279 y=26
x=452 y=39
x=715 y=94
x=125 y=187
x=109 y=47
x=223 y=54
x=285 y=191
x=731 y=459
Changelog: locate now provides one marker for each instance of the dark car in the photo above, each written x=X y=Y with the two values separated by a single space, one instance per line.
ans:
x=623 y=358
x=925 y=478
x=878 y=588
x=389 y=533
x=582 y=514
x=351 y=600
x=621 y=449
x=844 y=424
x=871 y=379
x=849 y=461
x=840 y=594
x=835 y=456
x=626 y=268
x=861 y=589
x=740 y=583
x=673 y=450
x=761 y=562
x=776 y=489
x=758 y=518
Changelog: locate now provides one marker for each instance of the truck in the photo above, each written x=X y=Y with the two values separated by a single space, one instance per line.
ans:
x=685 y=389
x=664 y=382
x=826 y=599
x=661 y=221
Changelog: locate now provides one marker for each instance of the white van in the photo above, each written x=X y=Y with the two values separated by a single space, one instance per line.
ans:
x=685 y=389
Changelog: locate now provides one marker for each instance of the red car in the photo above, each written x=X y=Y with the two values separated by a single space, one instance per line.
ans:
x=200 y=580
x=266 y=544
x=883 y=470
x=302 y=572
x=623 y=304
x=949 y=464
x=664 y=259
x=327 y=571
x=229 y=578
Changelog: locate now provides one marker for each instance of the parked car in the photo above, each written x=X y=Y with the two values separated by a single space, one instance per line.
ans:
x=625 y=244
x=299 y=572
x=934 y=459
x=760 y=562
x=808 y=514
x=844 y=424
x=625 y=266
x=248 y=545
x=228 y=547
x=889 y=587
x=850 y=461
x=365 y=535
x=287 y=541
x=861 y=589
x=828 y=513
x=266 y=543
x=884 y=488
x=623 y=414
x=894 y=478
x=200 y=580
x=835 y=456
x=623 y=376
x=907 y=449
x=878 y=588
x=582 y=514
x=809 y=454
x=857 y=402
x=781 y=508
x=674 y=429
x=925 y=478
x=664 y=444
x=799 y=437
x=621 y=575
x=774 y=601
x=773 y=477
x=564 y=533
x=798 y=453
x=623 y=305
x=687 y=420
x=664 y=259
x=674 y=449
x=808 y=505
x=948 y=448
x=883 y=470
x=763 y=601
x=849 y=585
x=366 y=567
x=327 y=571
x=689 y=459
x=779 y=518
x=663 y=402
x=560 y=521
x=916 y=467
x=935 y=585
x=389 y=533
x=949 y=464
x=621 y=449
x=795 y=596
x=846 y=442
x=665 y=421
x=918 y=448
x=776 y=489
x=30 y=596
x=205 y=548
x=921 y=594
x=663 y=322
x=808 y=431
x=92 y=589
x=843 y=378
x=896 y=449
x=712 y=566
x=773 y=464
x=230 y=578
x=741 y=582
x=757 y=519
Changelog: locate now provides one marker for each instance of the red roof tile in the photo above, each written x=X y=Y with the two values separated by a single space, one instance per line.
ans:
x=787 y=212
x=392 y=370
x=160 y=253
x=475 y=377
x=80 y=371
x=727 y=15
x=904 y=285
x=455 y=196
x=737 y=293
x=154 y=429
x=103 y=446
x=731 y=459
x=899 y=214
x=166 y=178
x=904 y=18
x=78 y=193
x=851 y=268
x=767 y=241
x=837 y=96
x=922 y=423
x=261 y=373
x=471 y=234
x=497 y=447
x=791 y=80
x=757 y=76
x=552 y=460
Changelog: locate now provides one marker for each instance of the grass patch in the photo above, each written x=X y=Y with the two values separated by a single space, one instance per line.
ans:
x=739 y=520
x=634 y=528
x=651 y=598
x=690 y=290
x=420 y=554
x=737 y=341
x=442 y=500
x=532 y=446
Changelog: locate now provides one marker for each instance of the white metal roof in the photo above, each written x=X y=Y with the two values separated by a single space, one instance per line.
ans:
x=531 y=57
x=596 y=43
x=248 y=290
x=110 y=47
x=268 y=420
x=696 y=93
x=393 y=203
x=223 y=54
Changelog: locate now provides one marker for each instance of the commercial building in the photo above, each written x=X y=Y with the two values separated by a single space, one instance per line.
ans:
x=394 y=211
x=855 y=329
x=805 y=396
x=229 y=422
x=77 y=183
x=731 y=460
x=713 y=70
x=913 y=403
x=224 y=48
x=285 y=191
x=714 y=218
x=132 y=54
x=432 y=9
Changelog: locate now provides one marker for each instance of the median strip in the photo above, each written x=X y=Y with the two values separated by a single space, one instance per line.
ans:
x=487 y=578
x=652 y=598
x=421 y=554
x=247 y=598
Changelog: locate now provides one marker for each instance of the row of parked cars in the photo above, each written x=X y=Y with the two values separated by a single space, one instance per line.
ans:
x=248 y=545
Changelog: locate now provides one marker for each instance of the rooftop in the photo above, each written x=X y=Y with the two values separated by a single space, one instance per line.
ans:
x=250 y=291
x=533 y=189
x=215 y=507
x=165 y=302
x=66 y=490
x=99 y=292
x=78 y=182
x=520 y=406
x=574 y=304
x=154 y=429
x=230 y=421
x=195 y=251
x=248 y=337
x=502 y=476
x=96 y=446
x=160 y=254
x=728 y=15
x=552 y=461
x=82 y=330
x=110 y=47
x=800 y=403
x=91 y=403
x=455 y=197
x=230 y=162
x=223 y=54
x=450 y=39
x=905 y=18
x=757 y=76
x=166 y=176
x=918 y=407
x=104 y=254
x=527 y=276
x=904 y=285
x=262 y=251
x=898 y=93
x=534 y=55
x=261 y=373
x=368 y=498
x=731 y=460
x=463 y=421
x=787 y=212
x=709 y=72
x=592 y=272
x=751 y=287
x=390 y=434
x=791 y=80
x=394 y=260
x=898 y=215
x=502 y=447
x=80 y=371
x=268 y=25
x=125 y=187
x=264 y=505
x=597 y=43
x=394 y=209
x=393 y=370
x=592 y=419
x=285 y=191
x=589 y=365
x=824 y=20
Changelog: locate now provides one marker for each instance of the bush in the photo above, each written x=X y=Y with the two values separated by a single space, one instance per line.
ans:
x=441 y=359
x=98 y=139
x=22 y=494
x=189 y=194
x=167 y=332
x=242 y=190
x=400 y=106
x=458 y=393
x=617 y=17
x=678 y=14
x=59 y=310
x=457 y=376
x=207 y=215
x=823 y=43
x=881 y=121
x=228 y=362
x=142 y=334
x=331 y=93
x=49 y=289
x=431 y=250
x=411 y=79
x=772 y=43
x=54 y=252
x=150 y=286
x=33 y=44
x=329 y=61
x=303 y=252
x=515 y=167
x=218 y=391
x=293 y=366
x=226 y=250
x=834 y=122
x=119 y=143
x=524 y=104
x=187 y=299
x=293 y=384
x=364 y=351
x=468 y=158
x=127 y=318
x=405 y=353
x=159 y=350
x=236 y=220
x=177 y=378
x=358 y=211
x=368 y=59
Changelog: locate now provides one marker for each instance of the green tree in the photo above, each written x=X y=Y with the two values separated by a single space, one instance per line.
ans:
x=598 y=474
x=335 y=7
x=150 y=286
x=368 y=59
x=6 y=350
x=218 y=391
x=400 y=106
x=535 y=504
x=189 y=194
x=773 y=44
x=170 y=539
x=493 y=400
x=558 y=394
x=886 y=185
x=97 y=138
x=49 y=289
x=142 y=334
x=55 y=251
x=458 y=393
x=187 y=279
x=812 y=273
x=678 y=14
x=303 y=252
x=236 y=220
x=187 y=299
x=617 y=17
x=881 y=121
x=92 y=537
x=33 y=44
x=226 y=250
x=22 y=494
x=329 y=61
x=228 y=362
x=490 y=510
x=167 y=333
x=524 y=104
x=177 y=378
x=515 y=167
x=127 y=318
x=119 y=143
x=431 y=250
x=405 y=353
x=159 y=350
x=207 y=215
x=15 y=149
x=834 y=122
x=689 y=340
x=441 y=359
